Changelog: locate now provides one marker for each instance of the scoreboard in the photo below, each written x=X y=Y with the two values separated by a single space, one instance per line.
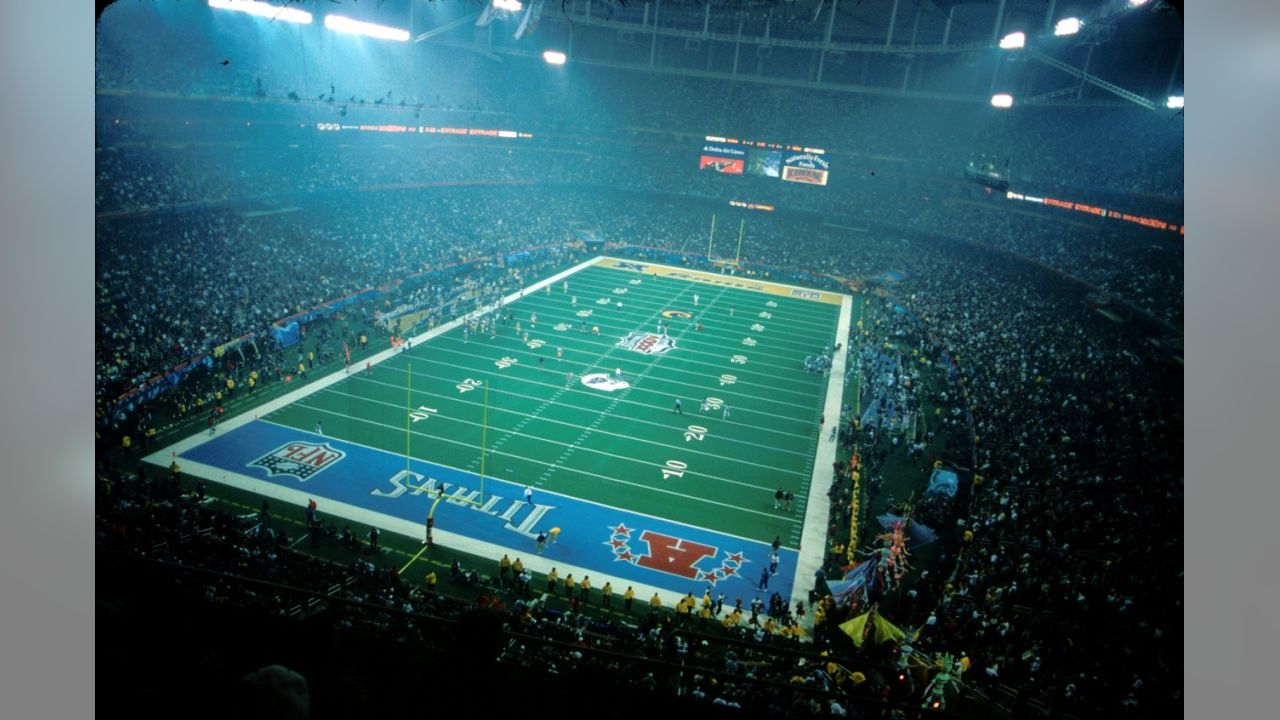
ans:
x=789 y=163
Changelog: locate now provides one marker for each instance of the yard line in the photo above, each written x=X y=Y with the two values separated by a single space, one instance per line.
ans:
x=540 y=462
x=694 y=350
x=495 y=408
x=644 y=297
x=714 y=327
x=696 y=388
x=549 y=492
x=810 y=390
x=492 y=373
x=517 y=433
x=494 y=391
x=795 y=316
x=749 y=295
x=606 y=322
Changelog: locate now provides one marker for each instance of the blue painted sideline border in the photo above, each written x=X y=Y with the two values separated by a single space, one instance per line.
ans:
x=609 y=543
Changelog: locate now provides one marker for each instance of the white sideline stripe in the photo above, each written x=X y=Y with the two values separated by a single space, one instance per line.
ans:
x=535 y=562
x=735 y=277
x=803 y=309
x=813 y=540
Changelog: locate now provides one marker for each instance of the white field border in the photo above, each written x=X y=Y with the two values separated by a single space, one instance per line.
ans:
x=816 y=509
x=813 y=536
x=736 y=282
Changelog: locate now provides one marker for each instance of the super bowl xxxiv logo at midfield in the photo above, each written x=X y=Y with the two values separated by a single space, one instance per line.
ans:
x=299 y=459
x=647 y=343
x=673 y=555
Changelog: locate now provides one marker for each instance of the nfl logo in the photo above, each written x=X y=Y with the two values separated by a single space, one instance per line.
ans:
x=299 y=459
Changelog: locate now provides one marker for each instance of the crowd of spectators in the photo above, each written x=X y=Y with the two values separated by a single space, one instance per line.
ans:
x=246 y=561
x=1052 y=148
x=1136 y=264
x=1067 y=569
x=1075 y=421
x=172 y=287
x=1060 y=573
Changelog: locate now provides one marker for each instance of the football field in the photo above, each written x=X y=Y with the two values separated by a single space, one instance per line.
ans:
x=652 y=411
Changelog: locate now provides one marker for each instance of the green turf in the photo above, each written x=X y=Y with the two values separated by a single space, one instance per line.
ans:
x=611 y=448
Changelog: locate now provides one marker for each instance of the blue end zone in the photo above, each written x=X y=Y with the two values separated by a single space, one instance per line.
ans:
x=614 y=543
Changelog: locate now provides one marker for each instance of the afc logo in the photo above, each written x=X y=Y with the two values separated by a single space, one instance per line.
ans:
x=674 y=556
x=299 y=459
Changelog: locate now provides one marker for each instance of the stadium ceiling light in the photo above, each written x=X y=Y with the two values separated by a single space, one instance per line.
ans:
x=266 y=10
x=1137 y=3
x=1067 y=26
x=509 y=5
x=1013 y=41
x=1174 y=102
x=1002 y=101
x=554 y=57
x=341 y=24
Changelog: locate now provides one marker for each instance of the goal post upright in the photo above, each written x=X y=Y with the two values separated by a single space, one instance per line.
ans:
x=712 y=239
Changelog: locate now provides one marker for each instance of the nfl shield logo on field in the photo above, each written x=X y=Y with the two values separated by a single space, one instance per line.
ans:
x=647 y=343
x=299 y=459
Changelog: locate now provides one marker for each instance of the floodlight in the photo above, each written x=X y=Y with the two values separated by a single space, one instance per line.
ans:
x=341 y=24
x=1002 y=101
x=509 y=5
x=1174 y=102
x=261 y=9
x=1137 y=3
x=554 y=57
x=1067 y=26
x=1013 y=41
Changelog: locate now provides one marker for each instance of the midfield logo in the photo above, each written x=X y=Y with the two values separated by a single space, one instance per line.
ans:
x=676 y=314
x=674 y=556
x=299 y=459
x=647 y=343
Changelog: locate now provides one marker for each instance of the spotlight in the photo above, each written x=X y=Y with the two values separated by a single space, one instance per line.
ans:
x=1174 y=102
x=341 y=24
x=264 y=10
x=1013 y=41
x=1002 y=101
x=554 y=57
x=1137 y=3
x=1067 y=26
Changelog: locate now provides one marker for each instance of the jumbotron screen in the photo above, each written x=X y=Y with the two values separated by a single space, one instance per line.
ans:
x=790 y=163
